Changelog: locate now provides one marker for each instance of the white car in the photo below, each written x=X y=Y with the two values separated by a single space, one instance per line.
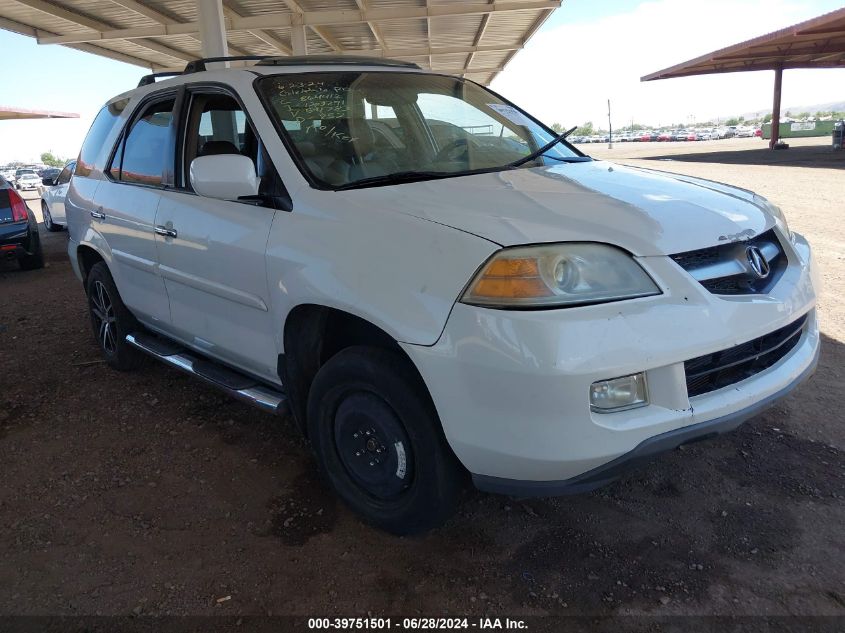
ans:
x=27 y=179
x=495 y=306
x=53 y=193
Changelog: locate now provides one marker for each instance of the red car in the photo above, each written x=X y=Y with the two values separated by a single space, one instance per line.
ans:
x=758 y=132
x=665 y=136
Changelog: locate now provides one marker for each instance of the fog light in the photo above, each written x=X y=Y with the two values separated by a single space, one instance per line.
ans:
x=618 y=394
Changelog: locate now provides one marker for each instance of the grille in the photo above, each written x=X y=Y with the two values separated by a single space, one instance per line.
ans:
x=726 y=367
x=726 y=269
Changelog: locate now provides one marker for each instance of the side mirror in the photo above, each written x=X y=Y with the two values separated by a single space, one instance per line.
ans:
x=48 y=182
x=224 y=176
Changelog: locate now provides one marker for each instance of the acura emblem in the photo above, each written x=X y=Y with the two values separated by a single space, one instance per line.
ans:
x=758 y=263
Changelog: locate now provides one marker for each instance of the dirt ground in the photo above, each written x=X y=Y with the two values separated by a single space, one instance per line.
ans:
x=149 y=493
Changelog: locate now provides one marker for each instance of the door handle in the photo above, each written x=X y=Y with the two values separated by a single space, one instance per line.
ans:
x=166 y=232
x=98 y=215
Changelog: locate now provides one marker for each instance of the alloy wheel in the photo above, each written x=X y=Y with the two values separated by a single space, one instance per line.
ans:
x=103 y=311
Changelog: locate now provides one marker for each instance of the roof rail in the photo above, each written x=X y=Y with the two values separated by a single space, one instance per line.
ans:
x=146 y=80
x=334 y=60
x=198 y=65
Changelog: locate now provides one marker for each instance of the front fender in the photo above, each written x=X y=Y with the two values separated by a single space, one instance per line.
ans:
x=400 y=273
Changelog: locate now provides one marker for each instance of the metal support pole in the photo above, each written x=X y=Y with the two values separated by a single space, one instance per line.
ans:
x=212 y=30
x=776 y=109
x=298 y=41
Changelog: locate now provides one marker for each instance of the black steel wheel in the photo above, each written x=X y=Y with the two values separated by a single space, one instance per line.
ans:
x=379 y=442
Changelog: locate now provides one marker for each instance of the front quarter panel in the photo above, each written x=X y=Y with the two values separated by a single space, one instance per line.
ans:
x=400 y=273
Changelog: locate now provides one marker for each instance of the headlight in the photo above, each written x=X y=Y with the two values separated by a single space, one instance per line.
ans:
x=780 y=218
x=558 y=275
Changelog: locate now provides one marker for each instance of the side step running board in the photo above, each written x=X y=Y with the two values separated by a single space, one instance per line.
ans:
x=232 y=382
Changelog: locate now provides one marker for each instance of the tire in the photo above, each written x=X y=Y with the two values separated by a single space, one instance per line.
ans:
x=36 y=259
x=111 y=320
x=48 y=219
x=369 y=405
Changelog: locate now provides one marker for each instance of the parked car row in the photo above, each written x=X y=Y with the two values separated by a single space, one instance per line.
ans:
x=644 y=136
x=27 y=176
x=51 y=185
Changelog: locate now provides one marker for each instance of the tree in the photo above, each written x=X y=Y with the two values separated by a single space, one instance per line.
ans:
x=732 y=121
x=585 y=130
x=767 y=118
x=53 y=161
x=557 y=127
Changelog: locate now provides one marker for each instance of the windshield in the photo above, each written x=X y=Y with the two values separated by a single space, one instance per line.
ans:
x=350 y=127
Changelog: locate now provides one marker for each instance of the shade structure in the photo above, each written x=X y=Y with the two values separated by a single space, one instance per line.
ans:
x=8 y=112
x=816 y=43
x=472 y=38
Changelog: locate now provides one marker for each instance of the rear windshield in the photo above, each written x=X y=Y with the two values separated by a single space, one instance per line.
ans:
x=354 y=126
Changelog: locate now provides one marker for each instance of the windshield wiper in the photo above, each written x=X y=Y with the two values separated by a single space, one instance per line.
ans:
x=557 y=139
x=397 y=178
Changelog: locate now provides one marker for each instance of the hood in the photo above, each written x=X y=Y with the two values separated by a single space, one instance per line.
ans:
x=643 y=211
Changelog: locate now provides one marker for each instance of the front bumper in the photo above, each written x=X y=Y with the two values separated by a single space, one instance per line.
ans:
x=512 y=387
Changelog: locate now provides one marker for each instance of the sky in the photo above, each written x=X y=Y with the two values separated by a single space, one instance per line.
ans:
x=588 y=51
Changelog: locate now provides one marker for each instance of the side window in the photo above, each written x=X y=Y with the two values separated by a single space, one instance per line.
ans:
x=103 y=124
x=217 y=125
x=144 y=153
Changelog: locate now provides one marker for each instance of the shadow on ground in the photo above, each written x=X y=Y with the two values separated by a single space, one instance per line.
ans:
x=813 y=156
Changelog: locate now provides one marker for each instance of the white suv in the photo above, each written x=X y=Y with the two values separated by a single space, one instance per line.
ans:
x=434 y=284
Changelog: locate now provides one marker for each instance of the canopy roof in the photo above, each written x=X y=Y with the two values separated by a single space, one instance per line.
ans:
x=20 y=113
x=816 y=43
x=474 y=38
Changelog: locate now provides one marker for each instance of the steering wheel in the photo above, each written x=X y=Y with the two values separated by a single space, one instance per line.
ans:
x=450 y=151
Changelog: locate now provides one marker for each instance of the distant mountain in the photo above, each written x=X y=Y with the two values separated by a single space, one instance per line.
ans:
x=835 y=106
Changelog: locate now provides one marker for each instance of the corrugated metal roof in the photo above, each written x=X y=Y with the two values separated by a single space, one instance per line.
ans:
x=816 y=43
x=474 y=38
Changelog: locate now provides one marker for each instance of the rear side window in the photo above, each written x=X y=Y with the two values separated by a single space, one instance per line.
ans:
x=103 y=124
x=148 y=147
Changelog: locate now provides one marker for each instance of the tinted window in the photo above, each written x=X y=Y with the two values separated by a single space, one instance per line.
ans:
x=148 y=146
x=103 y=124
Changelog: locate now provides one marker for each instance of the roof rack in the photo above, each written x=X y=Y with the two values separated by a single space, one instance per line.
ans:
x=335 y=60
x=146 y=80
x=198 y=65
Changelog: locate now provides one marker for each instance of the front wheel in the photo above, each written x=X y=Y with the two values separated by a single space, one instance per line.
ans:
x=111 y=320
x=379 y=443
